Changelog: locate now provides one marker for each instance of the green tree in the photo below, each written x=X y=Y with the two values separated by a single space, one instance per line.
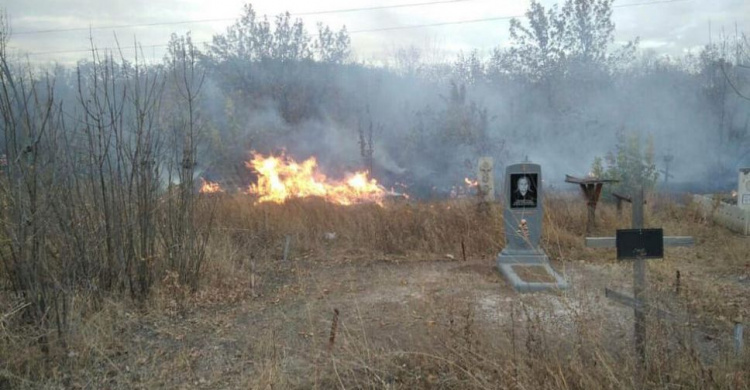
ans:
x=631 y=163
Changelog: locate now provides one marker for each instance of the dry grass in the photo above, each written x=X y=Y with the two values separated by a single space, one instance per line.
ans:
x=413 y=313
x=395 y=229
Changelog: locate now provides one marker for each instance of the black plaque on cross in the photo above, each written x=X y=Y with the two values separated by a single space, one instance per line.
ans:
x=640 y=243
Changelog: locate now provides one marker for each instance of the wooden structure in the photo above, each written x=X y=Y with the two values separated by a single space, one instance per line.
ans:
x=623 y=198
x=592 y=189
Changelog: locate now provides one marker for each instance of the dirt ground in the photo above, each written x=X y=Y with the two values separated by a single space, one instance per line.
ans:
x=281 y=324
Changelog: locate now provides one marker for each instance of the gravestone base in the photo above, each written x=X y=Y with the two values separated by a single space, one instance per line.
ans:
x=508 y=259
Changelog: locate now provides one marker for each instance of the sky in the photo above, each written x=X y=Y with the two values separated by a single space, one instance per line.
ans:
x=58 y=31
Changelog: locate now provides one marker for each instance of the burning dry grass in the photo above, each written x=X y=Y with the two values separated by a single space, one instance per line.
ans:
x=258 y=321
x=281 y=179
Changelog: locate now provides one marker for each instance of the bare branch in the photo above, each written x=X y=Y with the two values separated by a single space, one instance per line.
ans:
x=731 y=84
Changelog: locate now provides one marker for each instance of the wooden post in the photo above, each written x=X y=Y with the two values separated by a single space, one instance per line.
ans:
x=592 y=189
x=620 y=200
x=639 y=289
x=287 y=241
x=591 y=222
x=252 y=278
x=639 y=294
x=738 y=340
x=637 y=222
x=592 y=192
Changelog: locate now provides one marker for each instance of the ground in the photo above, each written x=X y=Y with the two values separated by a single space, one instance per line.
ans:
x=337 y=316
x=283 y=332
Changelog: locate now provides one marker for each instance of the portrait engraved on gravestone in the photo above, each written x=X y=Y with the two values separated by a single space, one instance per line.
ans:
x=523 y=191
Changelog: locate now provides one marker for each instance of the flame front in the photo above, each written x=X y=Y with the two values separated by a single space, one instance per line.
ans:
x=210 y=187
x=470 y=183
x=282 y=178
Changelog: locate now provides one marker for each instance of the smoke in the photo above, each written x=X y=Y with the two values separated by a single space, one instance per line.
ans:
x=429 y=132
x=431 y=123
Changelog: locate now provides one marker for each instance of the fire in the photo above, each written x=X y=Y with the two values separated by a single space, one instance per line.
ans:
x=282 y=178
x=210 y=187
x=471 y=183
x=734 y=194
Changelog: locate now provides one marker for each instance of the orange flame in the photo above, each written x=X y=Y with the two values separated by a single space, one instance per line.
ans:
x=471 y=183
x=210 y=187
x=282 y=178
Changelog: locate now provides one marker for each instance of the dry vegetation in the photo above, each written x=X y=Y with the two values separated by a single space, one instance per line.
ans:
x=116 y=273
x=412 y=313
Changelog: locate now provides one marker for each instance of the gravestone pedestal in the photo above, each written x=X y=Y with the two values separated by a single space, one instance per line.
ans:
x=523 y=216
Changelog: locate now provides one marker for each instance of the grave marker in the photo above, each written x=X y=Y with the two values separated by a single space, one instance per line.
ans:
x=668 y=158
x=637 y=244
x=486 y=182
x=523 y=215
x=592 y=189
x=743 y=189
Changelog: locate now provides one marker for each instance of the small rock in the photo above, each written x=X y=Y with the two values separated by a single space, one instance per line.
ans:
x=450 y=256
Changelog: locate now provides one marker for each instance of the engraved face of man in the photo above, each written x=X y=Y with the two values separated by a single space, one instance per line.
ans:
x=523 y=185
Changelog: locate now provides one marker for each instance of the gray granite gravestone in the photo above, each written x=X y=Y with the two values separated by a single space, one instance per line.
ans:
x=523 y=216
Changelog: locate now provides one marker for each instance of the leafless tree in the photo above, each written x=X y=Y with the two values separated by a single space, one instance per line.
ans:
x=183 y=237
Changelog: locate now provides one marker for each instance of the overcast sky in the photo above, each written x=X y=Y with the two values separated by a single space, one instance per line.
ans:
x=669 y=27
